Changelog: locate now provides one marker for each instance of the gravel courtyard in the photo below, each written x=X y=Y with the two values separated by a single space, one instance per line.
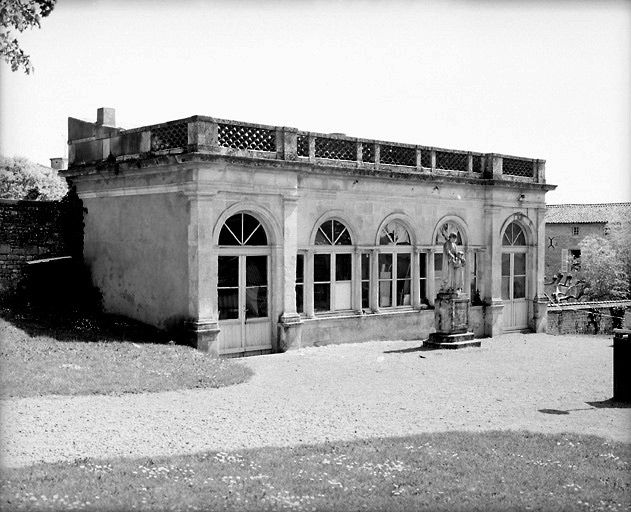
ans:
x=535 y=382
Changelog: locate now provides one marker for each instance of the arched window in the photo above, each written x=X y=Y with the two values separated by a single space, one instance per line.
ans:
x=514 y=235
x=332 y=232
x=445 y=230
x=395 y=266
x=332 y=267
x=242 y=229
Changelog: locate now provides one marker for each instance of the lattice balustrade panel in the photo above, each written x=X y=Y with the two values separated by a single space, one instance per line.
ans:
x=477 y=163
x=302 y=142
x=335 y=149
x=426 y=158
x=169 y=137
x=397 y=155
x=246 y=137
x=517 y=167
x=452 y=161
x=368 y=152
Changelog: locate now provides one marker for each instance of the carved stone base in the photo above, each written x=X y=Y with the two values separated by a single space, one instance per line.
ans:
x=202 y=335
x=452 y=341
x=451 y=321
x=289 y=332
x=451 y=313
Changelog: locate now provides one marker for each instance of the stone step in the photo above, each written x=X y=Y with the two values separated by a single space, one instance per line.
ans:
x=452 y=341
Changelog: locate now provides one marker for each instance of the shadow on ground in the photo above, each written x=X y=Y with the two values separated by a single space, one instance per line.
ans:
x=610 y=404
x=420 y=348
x=604 y=404
x=85 y=326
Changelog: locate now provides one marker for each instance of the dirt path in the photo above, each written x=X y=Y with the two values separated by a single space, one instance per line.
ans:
x=521 y=381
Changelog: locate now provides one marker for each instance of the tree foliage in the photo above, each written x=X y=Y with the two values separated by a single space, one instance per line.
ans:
x=22 y=179
x=606 y=262
x=20 y=15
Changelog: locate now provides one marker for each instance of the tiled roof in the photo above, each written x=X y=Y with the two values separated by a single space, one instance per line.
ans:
x=586 y=213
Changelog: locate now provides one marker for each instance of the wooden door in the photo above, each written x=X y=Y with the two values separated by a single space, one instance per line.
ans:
x=514 y=293
x=243 y=302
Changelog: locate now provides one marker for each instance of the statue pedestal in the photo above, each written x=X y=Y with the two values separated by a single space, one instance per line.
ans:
x=451 y=320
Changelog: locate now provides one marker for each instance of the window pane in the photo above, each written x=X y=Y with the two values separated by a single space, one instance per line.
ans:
x=505 y=288
x=256 y=271
x=343 y=295
x=385 y=266
x=322 y=297
x=341 y=236
x=438 y=262
x=322 y=267
x=228 y=271
x=231 y=231
x=228 y=303
x=324 y=234
x=256 y=302
x=520 y=264
x=300 y=303
x=506 y=264
x=513 y=235
x=300 y=268
x=423 y=289
x=365 y=295
x=422 y=263
x=343 y=267
x=404 y=263
x=394 y=233
x=519 y=287
x=253 y=232
x=385 y=294
x=365 y=267
x=403 y=292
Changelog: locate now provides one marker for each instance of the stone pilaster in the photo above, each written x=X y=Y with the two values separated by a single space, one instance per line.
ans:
x=201 y=328
x=290 y=325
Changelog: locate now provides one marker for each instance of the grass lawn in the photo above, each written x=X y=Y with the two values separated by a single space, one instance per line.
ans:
x=446 y=471
x=48 y=354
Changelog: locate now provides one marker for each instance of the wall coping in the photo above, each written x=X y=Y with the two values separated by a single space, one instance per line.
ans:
x=588 y=305
x=215 y=136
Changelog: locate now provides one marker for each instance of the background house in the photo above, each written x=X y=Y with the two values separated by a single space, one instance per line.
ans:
x=568 y=224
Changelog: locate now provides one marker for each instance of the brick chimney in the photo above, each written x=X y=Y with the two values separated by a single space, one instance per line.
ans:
x=59 y=164
x=106 y=117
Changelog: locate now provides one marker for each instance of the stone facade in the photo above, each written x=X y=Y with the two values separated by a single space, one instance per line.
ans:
x=35 y=230
x=248 y=238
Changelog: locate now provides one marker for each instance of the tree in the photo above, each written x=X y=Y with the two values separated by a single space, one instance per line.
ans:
x=20 y=15
x=23 y=179
x=606 y=262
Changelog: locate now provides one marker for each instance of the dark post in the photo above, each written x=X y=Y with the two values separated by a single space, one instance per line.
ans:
x=621 y=365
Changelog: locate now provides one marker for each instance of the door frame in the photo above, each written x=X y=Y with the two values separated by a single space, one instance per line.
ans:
x=242 y=253
x=511 y=324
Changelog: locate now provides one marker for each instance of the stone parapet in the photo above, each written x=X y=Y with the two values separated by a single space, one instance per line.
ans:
x=202 y=134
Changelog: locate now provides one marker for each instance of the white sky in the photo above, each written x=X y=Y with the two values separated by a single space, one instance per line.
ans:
x=548 y=80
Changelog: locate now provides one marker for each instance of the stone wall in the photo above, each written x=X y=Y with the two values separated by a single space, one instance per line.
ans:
x=35 y=230
x=586 y=317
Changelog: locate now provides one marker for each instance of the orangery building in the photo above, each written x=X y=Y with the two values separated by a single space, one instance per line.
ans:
x=243 y=238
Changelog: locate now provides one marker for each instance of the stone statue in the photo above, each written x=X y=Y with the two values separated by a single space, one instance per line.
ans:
x=453 y=265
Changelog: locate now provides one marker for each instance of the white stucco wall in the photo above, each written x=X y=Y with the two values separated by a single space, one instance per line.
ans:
x=136 y=247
